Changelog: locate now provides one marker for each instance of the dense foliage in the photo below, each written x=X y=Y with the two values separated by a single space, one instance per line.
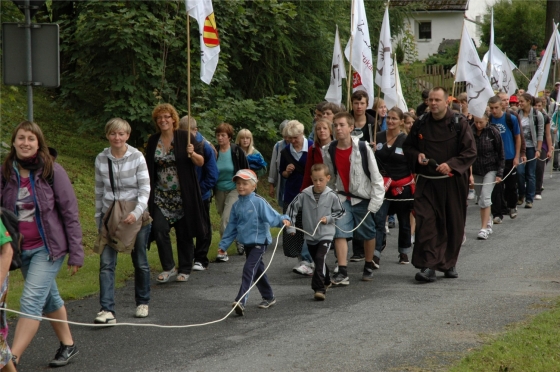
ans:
x=121 y=58
x=517 y=24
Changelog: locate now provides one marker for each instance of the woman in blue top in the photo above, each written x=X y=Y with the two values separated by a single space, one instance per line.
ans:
x=230 y=159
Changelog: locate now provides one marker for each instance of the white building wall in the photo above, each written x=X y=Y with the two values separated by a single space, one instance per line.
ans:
x=445 y=25
x=476 y=12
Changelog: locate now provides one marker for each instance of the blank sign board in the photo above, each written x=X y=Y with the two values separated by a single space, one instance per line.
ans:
x=44 y=51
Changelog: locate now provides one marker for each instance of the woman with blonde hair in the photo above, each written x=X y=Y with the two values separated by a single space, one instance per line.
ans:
x=121 y=173
x=256 y=161
x=175 y=199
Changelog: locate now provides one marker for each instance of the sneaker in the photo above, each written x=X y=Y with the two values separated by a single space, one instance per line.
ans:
x=528 y=205
x=464 y=238
x=391 y=224
x=340 y=279
x=357 y=258
x=63 y=355
x=105 y=317
x=376 y=262
x=512 y=213
x=538 y=197
x=367 y=276
x=520 y=201
x=489 y=227
x=198 y=267
x=304 y=269
x=222 y=256
x=482 y=234
x=471 y=194
x=497 y=220
x=319 y=296
x=239 y=309
x=141 y=311
x=426 y=275
x=265 y=304
x=403 y=259
x=240 y=248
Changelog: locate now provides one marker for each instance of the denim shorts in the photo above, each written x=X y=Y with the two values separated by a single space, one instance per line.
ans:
x=353 y=216
x=40 y=293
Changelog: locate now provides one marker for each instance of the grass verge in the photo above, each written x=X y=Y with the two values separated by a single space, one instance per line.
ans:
x=534 y=346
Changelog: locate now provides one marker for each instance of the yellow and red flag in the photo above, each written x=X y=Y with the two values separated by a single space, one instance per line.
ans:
x=203 y=12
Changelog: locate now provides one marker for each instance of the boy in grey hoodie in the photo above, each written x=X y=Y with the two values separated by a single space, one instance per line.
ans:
x=318 y=203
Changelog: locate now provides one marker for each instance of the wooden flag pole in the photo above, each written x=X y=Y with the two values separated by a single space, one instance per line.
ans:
x=376 y=118
x=349 y=78
x=189 y=80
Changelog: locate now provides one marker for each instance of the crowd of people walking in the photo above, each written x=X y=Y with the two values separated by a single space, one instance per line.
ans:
x=345 y=181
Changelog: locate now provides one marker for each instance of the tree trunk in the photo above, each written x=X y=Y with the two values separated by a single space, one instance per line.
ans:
x=552 y=13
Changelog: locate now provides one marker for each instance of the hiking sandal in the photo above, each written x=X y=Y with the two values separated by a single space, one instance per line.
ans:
x=165 y=276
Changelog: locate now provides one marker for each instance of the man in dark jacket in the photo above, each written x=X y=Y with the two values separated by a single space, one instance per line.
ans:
x=441 y=149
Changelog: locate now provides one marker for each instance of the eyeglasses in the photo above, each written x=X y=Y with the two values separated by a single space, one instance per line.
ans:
x=163 y=117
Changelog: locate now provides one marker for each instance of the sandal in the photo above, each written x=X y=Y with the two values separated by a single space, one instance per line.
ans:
x=166 y=275
x=182 y=278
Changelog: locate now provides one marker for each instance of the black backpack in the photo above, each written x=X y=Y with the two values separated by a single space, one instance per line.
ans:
x=363 y=153
x=10 y=221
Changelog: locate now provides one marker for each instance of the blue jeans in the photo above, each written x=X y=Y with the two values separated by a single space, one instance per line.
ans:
x=253 y=268
x=108 y=263
x=40 y=293
x=526 y=176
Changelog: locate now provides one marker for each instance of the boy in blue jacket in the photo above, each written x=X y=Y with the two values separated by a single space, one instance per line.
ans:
x=249 y=223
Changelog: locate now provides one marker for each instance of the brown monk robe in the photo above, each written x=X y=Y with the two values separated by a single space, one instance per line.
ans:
x=440 y=204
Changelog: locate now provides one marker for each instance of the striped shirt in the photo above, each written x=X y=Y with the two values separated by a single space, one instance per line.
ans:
x=131 y=180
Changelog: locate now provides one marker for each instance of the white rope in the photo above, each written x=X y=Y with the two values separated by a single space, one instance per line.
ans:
x=186 y=325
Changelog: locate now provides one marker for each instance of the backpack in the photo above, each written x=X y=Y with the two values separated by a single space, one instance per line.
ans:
x=363 y=153
x=10 y=221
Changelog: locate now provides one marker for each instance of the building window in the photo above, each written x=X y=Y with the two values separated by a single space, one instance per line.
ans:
x=424 y=30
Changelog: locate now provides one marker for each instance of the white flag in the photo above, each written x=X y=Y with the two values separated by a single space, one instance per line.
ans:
x=538 y=82
x=471 y=70
x=385 y=71
x=362 y=78
x=557 y=33
x=401 y=103
x=203 y=12
x=338 y=72
x=502 y=67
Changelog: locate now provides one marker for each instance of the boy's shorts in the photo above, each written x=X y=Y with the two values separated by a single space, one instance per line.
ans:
x=353 y=216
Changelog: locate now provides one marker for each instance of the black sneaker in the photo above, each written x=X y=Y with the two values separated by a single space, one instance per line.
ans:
x=426 y=275
x=391 y=224
x=265 y=304
x=512 y=213
x=63 y=355
x=403 y=259
x=376 y=262
x=367 y=276
x=357 y=258
x=451 y=273
x=340 y=279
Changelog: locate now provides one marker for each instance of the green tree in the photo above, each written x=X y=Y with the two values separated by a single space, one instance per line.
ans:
x=517 y=24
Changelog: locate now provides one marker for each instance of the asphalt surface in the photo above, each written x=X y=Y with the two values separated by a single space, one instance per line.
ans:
x=390 y=324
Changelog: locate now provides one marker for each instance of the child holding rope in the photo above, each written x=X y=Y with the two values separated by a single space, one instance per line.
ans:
x=319 y=204
x=249 y=223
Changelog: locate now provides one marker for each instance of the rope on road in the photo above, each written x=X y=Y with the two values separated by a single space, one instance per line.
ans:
x=185 y=325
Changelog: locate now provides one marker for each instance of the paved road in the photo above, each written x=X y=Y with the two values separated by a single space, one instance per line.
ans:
x=392 y=323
